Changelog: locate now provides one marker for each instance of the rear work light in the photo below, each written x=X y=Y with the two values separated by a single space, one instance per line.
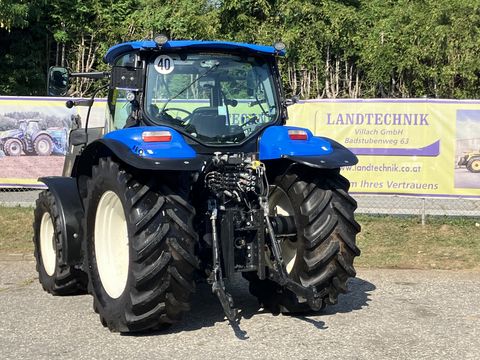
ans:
x=157 y=136
x=297 y=134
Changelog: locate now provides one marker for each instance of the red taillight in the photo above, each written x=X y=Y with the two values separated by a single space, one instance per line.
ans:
x=157 y=136
x=297 y=134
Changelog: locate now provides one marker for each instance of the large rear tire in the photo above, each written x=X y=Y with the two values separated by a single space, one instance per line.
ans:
x=43 y=145
x=55 y=277
x=139 y=249
x=322 y=253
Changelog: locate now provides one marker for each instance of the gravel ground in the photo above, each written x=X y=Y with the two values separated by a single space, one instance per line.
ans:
x=394 y=314
x=14 y=197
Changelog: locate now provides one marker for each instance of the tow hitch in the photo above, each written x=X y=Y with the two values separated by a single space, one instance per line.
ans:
x=278 y=272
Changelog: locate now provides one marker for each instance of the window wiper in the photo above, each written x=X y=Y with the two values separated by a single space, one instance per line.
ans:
x=259 y=103
x=257 y=100
x=214 y=66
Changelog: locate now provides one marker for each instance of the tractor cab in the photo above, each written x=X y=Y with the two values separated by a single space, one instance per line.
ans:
x=215 y=98
x=211 y=92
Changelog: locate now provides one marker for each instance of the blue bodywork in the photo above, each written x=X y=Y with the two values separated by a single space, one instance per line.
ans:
x=120 y=49
x=60 y=143
x=275 y=144
x=177 y=148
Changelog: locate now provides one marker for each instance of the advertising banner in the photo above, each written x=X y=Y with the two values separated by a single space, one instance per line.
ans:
x=34 y=137
x=416 y=147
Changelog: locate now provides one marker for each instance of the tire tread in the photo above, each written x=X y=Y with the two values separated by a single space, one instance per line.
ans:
x=162 y=243
x=326 y=230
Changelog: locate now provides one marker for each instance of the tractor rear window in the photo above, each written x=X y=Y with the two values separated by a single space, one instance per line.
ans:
x=216 y=98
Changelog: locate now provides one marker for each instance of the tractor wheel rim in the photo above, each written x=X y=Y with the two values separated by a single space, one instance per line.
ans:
x=476 y=165
x=43 y=146
x=15 y=148
x=111 y=244
x=47 y=246
x=280 y=204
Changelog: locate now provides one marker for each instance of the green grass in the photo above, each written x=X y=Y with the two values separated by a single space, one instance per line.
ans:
x=402 y=242
x=385 y=241
x=16 y=230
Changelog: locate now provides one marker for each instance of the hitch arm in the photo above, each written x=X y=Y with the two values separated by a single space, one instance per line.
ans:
x=279 y=272
x=218 y=286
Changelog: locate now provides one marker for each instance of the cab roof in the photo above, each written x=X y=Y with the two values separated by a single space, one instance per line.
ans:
x=123 y=48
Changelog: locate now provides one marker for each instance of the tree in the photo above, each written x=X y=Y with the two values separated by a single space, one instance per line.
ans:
x=14 y=13
x=335 y=48
x=22 y=48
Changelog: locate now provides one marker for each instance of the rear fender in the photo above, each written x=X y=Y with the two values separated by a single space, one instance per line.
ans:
x=128 y=146
x=36 y=135
x=132 y=138
x=314 y=151
x=71 y=213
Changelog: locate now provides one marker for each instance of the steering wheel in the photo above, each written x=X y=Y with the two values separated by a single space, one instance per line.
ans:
x=181 y=110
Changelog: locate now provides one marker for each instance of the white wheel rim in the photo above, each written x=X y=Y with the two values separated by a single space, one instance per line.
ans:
x=280 y=205
x=43 y=146
x=47 y=247
x=15 y=148
x=111 y=244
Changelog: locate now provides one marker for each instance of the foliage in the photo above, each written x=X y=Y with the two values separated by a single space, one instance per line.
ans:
x=22 y=48
x=7 y=123
x=14 y=13
x=336 y=48
x=426 y=48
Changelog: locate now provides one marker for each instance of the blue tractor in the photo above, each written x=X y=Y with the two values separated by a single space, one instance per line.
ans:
x=30 y=139
x=194 y=177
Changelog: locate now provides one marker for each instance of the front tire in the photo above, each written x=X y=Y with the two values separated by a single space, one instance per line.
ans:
x=55 y=277
x=13 y=147
x=322 y=253
x=139 y=249
x=473 y=165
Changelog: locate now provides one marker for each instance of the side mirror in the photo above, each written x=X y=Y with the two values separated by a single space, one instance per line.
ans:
x=78 y=137
x=295 y=99
x=57 y=81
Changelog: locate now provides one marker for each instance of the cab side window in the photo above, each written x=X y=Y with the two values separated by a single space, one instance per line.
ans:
x=121 y=108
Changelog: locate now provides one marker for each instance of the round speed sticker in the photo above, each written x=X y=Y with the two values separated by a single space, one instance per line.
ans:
x=164 y=64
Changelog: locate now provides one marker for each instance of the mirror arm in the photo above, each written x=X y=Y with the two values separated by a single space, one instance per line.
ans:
x=79 y=102
x=92 y=99
x=91 y=75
